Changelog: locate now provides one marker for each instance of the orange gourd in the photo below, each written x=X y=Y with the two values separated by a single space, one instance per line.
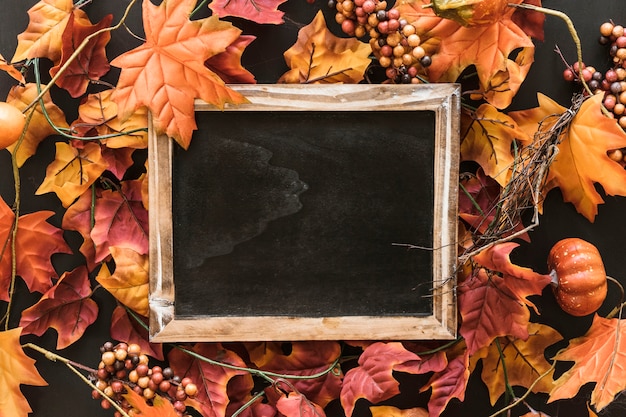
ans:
x=578 y=276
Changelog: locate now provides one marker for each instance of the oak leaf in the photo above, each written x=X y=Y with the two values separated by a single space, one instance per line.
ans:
x=15 y=369
x=43 y=38
x=121 y=220
x=129 y=282
x=73 y=171
x=490 y=48
x=493 y=299
x=599 y=356
x=91 y=63
x=97 y=116
x=318 y=56
x=159 y=408
x=295 y=404
x=582 y=160
x=36 y=241
x=303 y=359
x=258 y=11
x=126 y=329
x=167 y=72
x=524 y=362
x=212 y=379
x=390 y=411
x=38 y=128
x=227 y=65
x=66 y=307
x=11 y=70
x=373 y=379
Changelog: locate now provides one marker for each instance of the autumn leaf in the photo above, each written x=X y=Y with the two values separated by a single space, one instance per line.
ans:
x=43 y=38
x=373 y=379
x=390 y=411
x=73 y=171
x=97 y=116
x=489 y=48
x=488 y=141
x=295 y=404
x=227 y=65
x=126 y=329
x=91 y=63
x=582 y=160
x=321 y=57
x=303 y=359
x=258 y=11
x=478 y=196
x=493 y=300
x=78 y=217
x=11 y=70
x=118 y=160
x=167 y=72
x=120 y=221
x=159 y=408
x=524 y=362
x=38 y=128
x=129 y=283
x=212 y=379
x=66 y=307
x=37 y=240
x=450 y=382
x=16 y=368
x=599 y=356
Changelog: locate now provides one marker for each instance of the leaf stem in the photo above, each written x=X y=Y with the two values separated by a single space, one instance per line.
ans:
x=248 y=404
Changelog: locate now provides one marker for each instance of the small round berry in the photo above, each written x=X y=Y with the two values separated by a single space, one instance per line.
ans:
x=426 y=61
x=191 y=390
x=606 y=29
x=108 y=358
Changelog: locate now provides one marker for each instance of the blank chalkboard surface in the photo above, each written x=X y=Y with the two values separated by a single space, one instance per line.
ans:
x=297 y=217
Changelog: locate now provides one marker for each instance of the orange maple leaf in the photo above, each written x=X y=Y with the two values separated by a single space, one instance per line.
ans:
x=66 y=307
x=11 y=70
x=159 y=408
x=36 y=241
x=43 y=36
x=391 y=411
x=493 y=300
x=73 y=171
x=15 y=368
x=321 y=57
x=259 y=11
x=129 y=282
x=91 y=63
x=599 y=356
x=488 y=47
x=582 y=160
x=167 y=72
x=524 y=362
x=38 y=128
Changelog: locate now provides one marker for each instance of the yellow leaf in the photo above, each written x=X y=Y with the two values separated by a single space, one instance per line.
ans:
x=73 y=171
x=129 y=283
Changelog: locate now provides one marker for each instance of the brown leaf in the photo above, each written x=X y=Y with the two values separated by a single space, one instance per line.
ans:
x=129 y=283
x=599 y=356
x=15 y=369
x=66 y=307
x=167 y=72
x=126 y=329
x=321 y=57
x=38 y=128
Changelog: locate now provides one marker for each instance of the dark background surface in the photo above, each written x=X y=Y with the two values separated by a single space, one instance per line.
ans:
x=66 y=395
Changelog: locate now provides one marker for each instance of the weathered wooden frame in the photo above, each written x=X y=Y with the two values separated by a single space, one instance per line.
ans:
x=443 y=99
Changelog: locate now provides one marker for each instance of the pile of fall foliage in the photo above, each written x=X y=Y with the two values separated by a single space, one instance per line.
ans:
x=182 y=59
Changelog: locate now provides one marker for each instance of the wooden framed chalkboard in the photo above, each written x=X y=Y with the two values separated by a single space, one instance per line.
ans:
x=313 y=212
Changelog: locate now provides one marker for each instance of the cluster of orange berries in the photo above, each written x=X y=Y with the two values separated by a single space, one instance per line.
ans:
x=394 y=41
x=124 y=367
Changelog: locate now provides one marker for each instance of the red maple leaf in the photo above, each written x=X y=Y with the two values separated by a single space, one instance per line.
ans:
x=212 y=379
x=37 y=240
x=373 y=378
x=295 y=404
x=78 y=218
x=493 y=300
x=66 y=307
x=259 y=11
x=91 y=63
x=450 y=382
x=227 y=65
x=126 y=329
x=167 y=72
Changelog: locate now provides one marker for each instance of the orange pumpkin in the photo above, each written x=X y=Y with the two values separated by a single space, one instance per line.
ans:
x=470 y=12
x=579 y=279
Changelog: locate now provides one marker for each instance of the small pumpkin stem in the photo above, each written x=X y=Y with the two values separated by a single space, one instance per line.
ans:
x=617 y=311
x=554 y=278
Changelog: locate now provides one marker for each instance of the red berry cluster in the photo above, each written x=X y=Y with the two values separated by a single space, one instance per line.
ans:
x=394 y=41
x=124 y=366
